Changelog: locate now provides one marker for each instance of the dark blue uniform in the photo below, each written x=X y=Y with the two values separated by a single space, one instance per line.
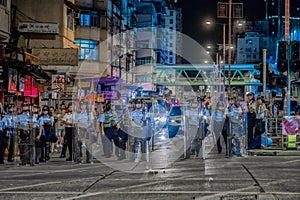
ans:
x=46 y=122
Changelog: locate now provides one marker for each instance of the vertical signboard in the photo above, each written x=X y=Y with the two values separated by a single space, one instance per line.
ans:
x=58 y=83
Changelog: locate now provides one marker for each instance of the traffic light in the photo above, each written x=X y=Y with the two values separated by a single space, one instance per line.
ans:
x=271 y=81
x=282 y=56
x=295 y=61
x=259 y=76
x=277 y=81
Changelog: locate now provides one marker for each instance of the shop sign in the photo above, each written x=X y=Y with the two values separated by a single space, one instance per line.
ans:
x=58 y=83
x=32 y=27
x=56 y=56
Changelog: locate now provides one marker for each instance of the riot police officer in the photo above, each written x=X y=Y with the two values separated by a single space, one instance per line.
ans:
x=84 y=121
x=35 y=129
x=192 y=138
x=46 y=125
x=139 y=131
x=218 y=119
x=25 y=134
x=122 y=128
x=108 y=126
x=3 y=142
x=68 y=121
x=235 y=115
x=251 y=117
x=9 y=124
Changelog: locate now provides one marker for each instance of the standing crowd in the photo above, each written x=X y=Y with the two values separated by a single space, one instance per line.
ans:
x=241 y=124
x=34 y=134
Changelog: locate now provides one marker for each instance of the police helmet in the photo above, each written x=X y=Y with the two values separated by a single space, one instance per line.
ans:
x=83 y=103
x=45 y=108
x=25 y=104
x=35 y=106
x=249 y=94
x=10 y=106
x=138 y=101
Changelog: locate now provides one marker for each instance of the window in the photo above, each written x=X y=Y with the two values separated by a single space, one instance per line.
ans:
x=3 y=2
x=171 y=60
x=89 y=18
x=171 y=13
x=88 y=49
x=70 y=22
x=171 y=21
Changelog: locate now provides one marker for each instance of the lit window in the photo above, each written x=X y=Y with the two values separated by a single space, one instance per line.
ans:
x=88 y=49
x=89 y=18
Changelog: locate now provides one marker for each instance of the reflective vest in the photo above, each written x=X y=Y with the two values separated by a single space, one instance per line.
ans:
x=110 y=120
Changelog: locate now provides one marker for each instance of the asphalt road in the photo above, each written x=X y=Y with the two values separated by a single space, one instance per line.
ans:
x=217 y=177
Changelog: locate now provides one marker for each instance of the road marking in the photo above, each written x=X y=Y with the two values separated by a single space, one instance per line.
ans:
x=245 y=188
x=51 y=172
x=113 y=191
x=292 y=161
x=29 y=186
x=146 y=192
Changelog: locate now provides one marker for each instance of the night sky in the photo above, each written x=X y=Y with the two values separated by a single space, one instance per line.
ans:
x=196 y=12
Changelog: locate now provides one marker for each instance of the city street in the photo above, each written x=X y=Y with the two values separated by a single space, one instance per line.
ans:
x=217 y=177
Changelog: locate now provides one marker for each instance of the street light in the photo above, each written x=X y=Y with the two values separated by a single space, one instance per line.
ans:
x=224 y=37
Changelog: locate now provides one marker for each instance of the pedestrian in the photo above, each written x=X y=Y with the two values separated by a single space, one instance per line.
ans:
x=9 y=128
x=46 y=126
x=68 y=121
x=251 y=118
x=108 y=126
x=261 y=116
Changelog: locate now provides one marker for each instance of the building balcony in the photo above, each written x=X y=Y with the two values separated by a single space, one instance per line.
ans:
x=88 y=32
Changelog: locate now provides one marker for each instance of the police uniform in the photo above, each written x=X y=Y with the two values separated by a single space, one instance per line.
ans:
x=46 y=124
x=122 y=134
x=139 y=132
x=3 y=141
x=109 y=121
x=35 y=129
x=193 y=135
x=24 y=121
x=69 y=120
x=218 y=119
x=234 y=112
x=84 y=121
x=251 y=119
x=10 y=125
x=260 y=123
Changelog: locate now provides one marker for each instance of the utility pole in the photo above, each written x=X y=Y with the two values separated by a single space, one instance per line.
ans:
x=229 y=45
x=287 y=38
x=264 y=72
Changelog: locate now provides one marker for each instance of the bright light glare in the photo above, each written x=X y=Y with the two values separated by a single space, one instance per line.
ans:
x=208 y=22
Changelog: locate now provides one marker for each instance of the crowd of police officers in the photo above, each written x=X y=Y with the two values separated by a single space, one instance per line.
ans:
x=31 y=132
